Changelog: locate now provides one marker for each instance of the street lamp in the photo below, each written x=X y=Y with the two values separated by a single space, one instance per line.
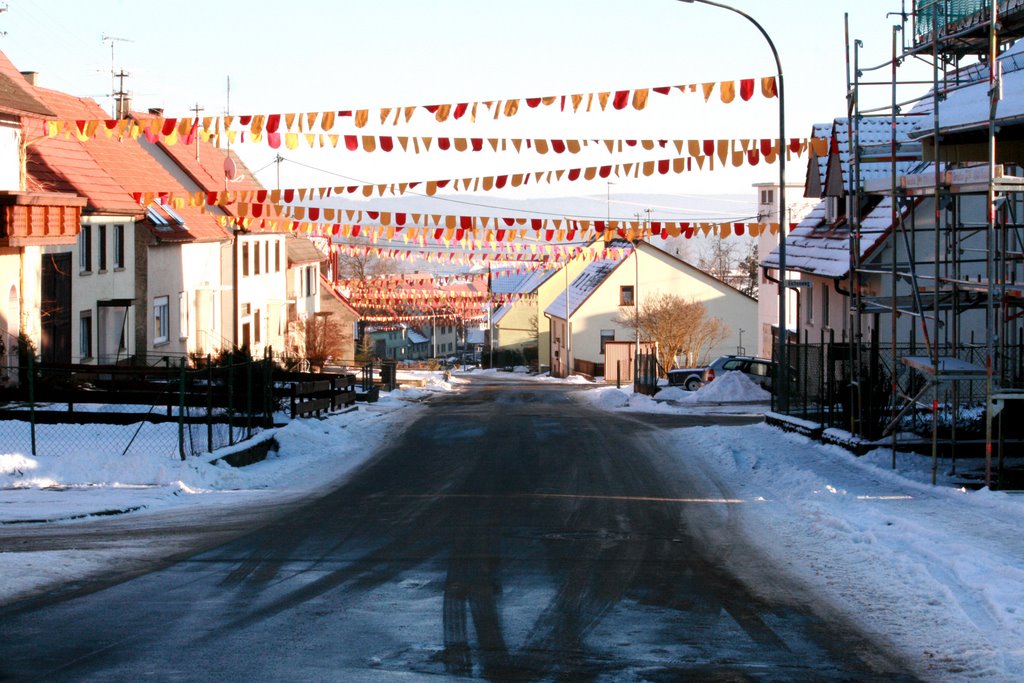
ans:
x=782 y=364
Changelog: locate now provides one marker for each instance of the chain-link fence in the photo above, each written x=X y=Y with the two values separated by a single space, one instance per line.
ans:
x=175 y=407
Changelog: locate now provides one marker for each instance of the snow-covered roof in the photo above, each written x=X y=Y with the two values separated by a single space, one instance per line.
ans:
x=875 y=141
x=525 y=285
x=585 y=284
x=967 y=108
x=415 y=337
x=817 y=248
x=817 y=166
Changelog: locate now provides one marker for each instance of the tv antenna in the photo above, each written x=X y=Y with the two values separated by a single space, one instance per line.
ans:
x=113 y=74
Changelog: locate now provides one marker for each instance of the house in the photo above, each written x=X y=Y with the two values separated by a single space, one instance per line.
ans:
x=520 y=325
x=516 y=325
x=253 y=272
x=610 y=286
x=818 y=248
x=394 y=341
x=145 y=279
x=345 y=319
x=38 y=227
x=302 y=291
x=798 y=207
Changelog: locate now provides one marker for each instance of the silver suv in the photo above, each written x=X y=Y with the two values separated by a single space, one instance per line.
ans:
x=759 y=370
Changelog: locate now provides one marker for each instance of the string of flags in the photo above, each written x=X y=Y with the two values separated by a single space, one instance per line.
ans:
x=255 y=128
x=572 y=231
x=734 y=152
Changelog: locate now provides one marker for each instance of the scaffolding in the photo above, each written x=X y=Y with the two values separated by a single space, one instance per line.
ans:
x=954 y=267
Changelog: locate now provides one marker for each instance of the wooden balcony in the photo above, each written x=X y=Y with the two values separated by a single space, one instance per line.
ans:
x=35 y=219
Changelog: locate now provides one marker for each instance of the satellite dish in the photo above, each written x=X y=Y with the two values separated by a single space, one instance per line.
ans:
x=230 y=171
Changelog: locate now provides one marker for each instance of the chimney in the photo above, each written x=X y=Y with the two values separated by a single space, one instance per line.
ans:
x=32 y=77
x=124 y=106
x=156 y=111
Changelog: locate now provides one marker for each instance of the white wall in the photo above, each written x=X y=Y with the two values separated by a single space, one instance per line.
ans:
x=262 y=297
x=10 y=155
x=88 y=287
x=201 y=292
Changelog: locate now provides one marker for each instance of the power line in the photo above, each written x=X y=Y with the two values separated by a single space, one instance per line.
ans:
x=463 y=201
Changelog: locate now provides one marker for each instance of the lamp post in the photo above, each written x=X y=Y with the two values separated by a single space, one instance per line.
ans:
x=781 y=365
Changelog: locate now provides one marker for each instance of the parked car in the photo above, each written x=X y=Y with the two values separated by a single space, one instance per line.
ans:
x=690 y=379
x=759 y=370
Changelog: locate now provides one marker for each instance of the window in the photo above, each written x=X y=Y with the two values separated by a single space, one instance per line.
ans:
x=809 y=306
x=245 y=259
x=161 y=319
x=256 y=258
x=277 y=256
x=606 y=336
x=118 y=246
x=266 y=256
x=244 y=309
x=85 y=249
x=102 y=247
x=309 y=282
x=626 y=295
x=85 y=335
x=824 y=304
x=183 y=315
x=767 y=196
x=256 y=326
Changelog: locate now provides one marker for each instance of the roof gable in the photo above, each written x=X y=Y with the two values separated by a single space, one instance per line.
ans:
x=16 y=94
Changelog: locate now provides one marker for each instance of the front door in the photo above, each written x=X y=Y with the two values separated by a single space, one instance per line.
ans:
x=55 y=308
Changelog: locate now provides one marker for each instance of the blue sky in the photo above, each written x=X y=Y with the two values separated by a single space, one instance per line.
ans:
x=308 y=55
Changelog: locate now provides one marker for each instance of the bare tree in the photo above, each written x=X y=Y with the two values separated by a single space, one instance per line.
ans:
x=320 y=337
x=720 y=259
x=681 y=328
x=364 y=265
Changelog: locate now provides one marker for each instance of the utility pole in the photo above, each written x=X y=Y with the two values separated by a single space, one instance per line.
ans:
x=122 y=104
x=277 y=160
x=116 y=94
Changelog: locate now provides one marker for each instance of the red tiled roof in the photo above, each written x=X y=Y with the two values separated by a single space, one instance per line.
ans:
x=208 y=170
x=62 y=165
x=128 y=166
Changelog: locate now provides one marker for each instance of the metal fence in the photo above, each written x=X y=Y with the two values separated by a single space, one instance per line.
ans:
x=838 y=385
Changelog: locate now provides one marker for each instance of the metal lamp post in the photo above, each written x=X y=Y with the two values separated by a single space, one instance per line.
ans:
x=782 y=364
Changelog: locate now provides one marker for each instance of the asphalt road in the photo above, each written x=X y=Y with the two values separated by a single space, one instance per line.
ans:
x=512 y=533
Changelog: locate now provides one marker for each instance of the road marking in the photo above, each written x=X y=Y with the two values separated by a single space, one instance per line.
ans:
x=575 y=496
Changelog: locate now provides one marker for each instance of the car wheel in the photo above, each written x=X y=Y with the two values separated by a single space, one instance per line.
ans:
x=692 y=384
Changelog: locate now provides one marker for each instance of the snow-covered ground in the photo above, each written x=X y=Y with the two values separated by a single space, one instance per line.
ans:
x=935 y=572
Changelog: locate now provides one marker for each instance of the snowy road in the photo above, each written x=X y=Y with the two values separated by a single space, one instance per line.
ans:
x=511 y=532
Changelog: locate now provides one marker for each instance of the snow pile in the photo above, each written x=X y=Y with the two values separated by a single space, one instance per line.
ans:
x=729 y=387
x=673 y=394
x=610 y=398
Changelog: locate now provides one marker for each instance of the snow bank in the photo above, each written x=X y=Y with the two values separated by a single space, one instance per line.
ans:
x=728 y=387
x=932 y=572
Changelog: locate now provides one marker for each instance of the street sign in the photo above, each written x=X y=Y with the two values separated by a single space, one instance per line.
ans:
x=798 y=284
